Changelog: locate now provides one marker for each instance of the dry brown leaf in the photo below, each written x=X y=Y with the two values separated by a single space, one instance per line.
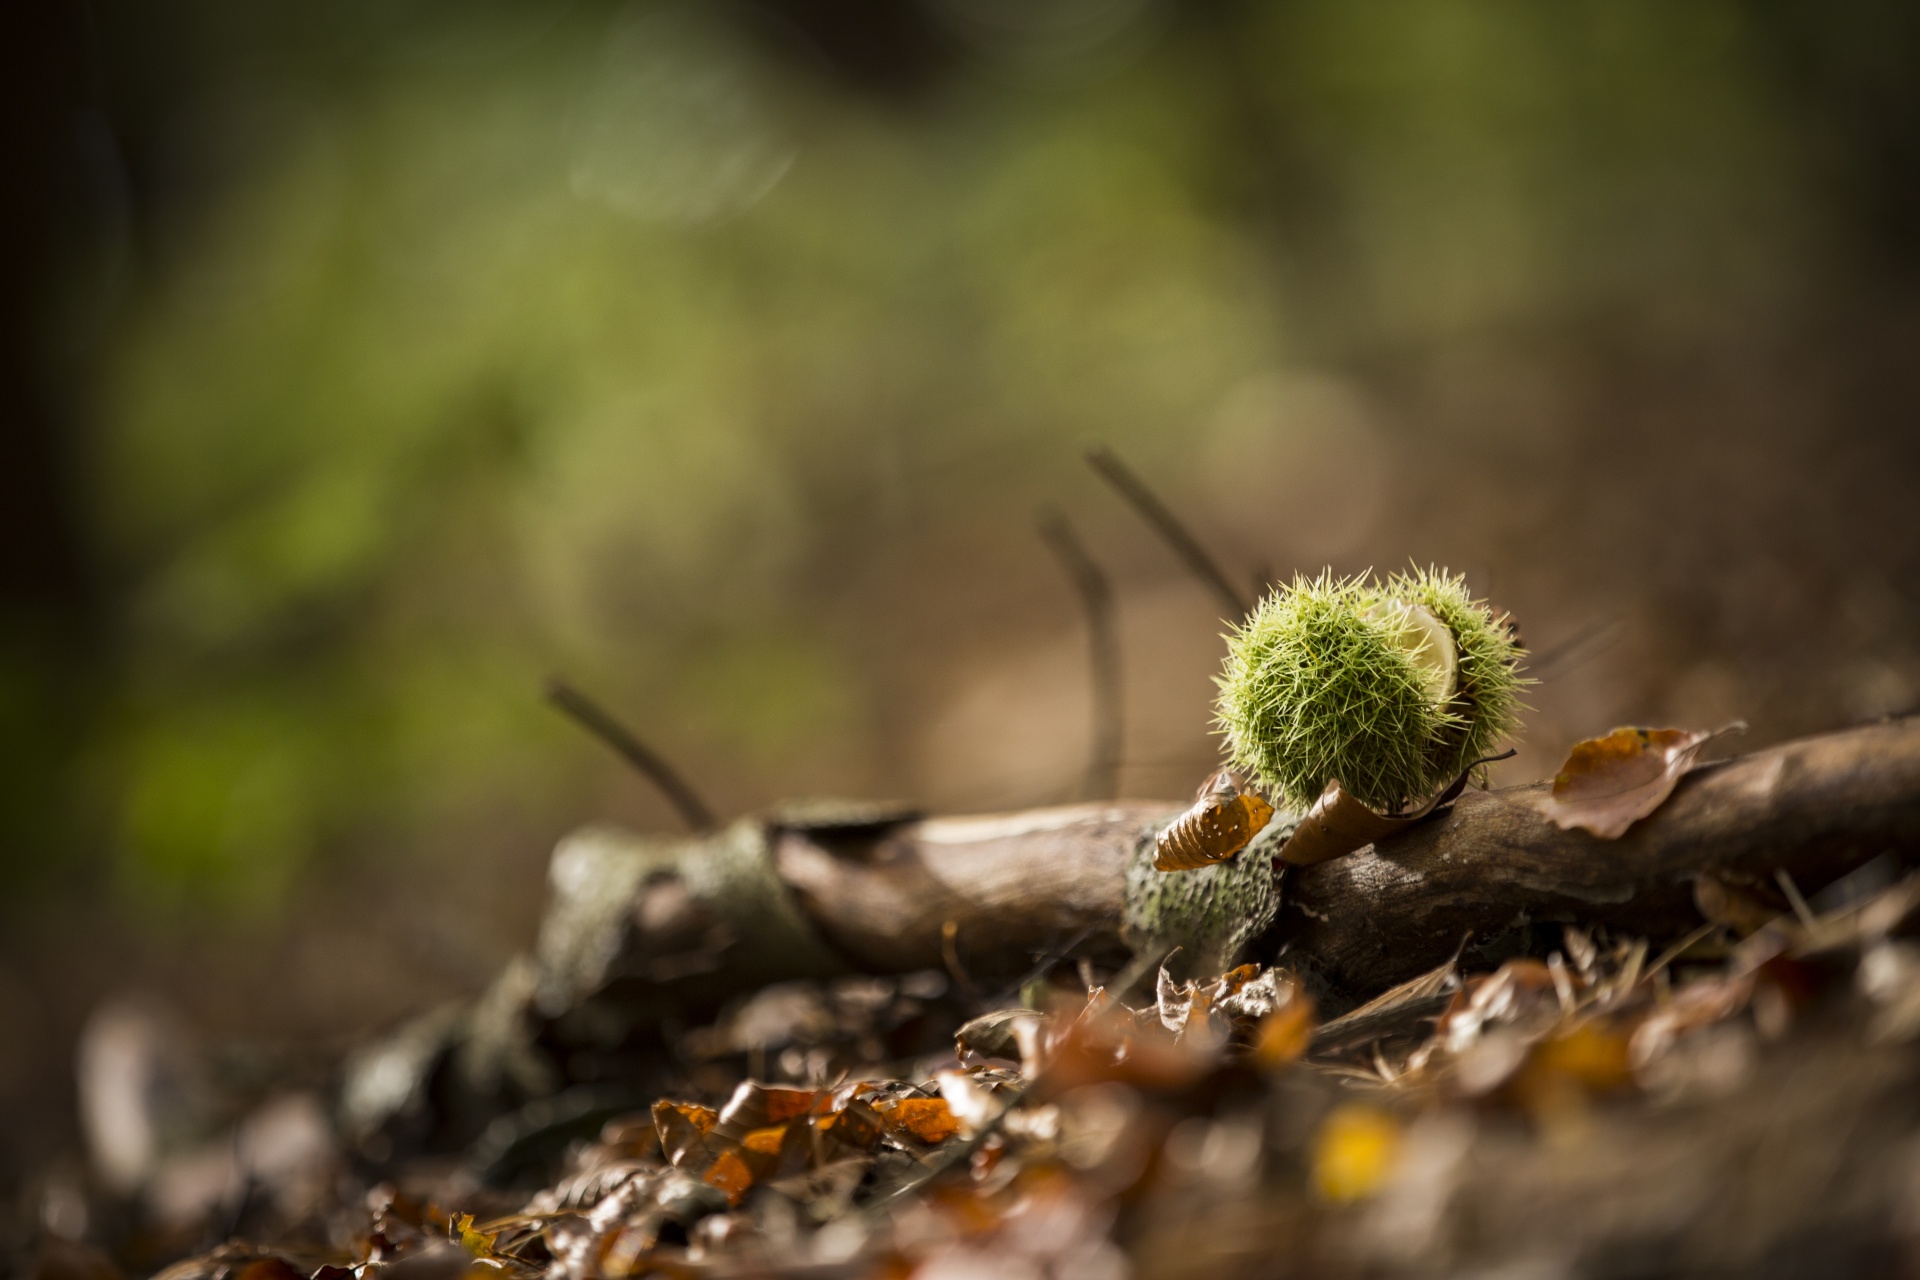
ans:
x=271 y=1267
x=1233 y=979
x=1221 y=822
x=929 y=1121
x=1609 y=783
x=730 y=1175
x=755 y=1106
x=856 y=1126
x=1338 y=824
x=1573 y=1062
x=1743 y=908
x=1699 y=1004
x=995 y=1034
x=1284 y=1034
x=1103 y=1045
x=684 y=1134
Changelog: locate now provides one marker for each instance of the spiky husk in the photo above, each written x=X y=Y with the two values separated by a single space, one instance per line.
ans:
x=1315 y=691
x=1486 y=702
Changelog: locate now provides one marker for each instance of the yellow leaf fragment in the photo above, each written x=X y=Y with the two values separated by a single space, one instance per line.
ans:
x=1355 y=1152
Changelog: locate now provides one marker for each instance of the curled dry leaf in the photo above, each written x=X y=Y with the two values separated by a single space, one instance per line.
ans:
x=928 y=1121
x=1284 y=1034
x=1338 y=824
x=1205 y=1012
x=684 y=1128
x=1701 y=1003
x=996 y=1034
x=756 y=1106
x=1221 y=822
x=1610 y=783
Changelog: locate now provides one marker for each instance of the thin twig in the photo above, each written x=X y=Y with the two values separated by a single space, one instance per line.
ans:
x=1143 y=963
x=1539 y=664
x=1792 y=890
x=1680 y=948
x=595 y=720
x=1149 y=507
x=1042 y=969
x=1103 y=643
x=950 y=956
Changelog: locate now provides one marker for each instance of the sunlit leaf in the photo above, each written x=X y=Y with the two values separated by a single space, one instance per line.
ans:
x=1355 y=1152
x=1220 y=823
x=926 y=1120
x=1284 y=1034
x=478 y=1243
x=755 y=1106
x=683 y=1128
x=856 y=1126
x=1609 y=783
x=1591 y=1056
x=731 y=1175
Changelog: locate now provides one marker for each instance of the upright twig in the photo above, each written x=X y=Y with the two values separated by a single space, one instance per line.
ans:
x=595 y=720
x=1149 y=507
x=1103 y=645
x=1538 y=665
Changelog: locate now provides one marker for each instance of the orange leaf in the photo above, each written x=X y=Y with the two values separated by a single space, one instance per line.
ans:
x=1590 y=1055
x=1608 y=784
x=856 y=1125
x=765 y=1141
x=1233 y=979
x=684 y=1127
x=730 y=1175
x=755 y=1106
x=1220 y=824
x=1284 y=1034
x=928 y=1120
x=271 y=1267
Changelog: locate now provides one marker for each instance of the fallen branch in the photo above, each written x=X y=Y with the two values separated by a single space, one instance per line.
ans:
x=644 y=933
x=1816 y=807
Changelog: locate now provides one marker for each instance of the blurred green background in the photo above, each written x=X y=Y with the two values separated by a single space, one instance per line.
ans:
x=370 y=362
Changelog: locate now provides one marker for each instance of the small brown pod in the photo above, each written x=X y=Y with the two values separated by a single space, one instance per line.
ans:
x=1219 y=825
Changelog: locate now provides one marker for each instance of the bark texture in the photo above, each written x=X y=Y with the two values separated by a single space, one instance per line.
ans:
x=1491 y=866
x=1815 y=807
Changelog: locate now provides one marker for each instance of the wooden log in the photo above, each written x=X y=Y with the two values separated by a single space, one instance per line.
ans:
x=1010 y=884
x=1815 y=807
x=643 y=933
x=1492 y=864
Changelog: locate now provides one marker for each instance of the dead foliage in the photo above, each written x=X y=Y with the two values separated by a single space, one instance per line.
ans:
x=1582 y=1103
x=1611 y=782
